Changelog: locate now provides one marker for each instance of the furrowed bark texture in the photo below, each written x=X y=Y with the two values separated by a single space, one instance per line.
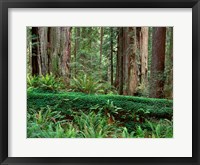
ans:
x=158 y=62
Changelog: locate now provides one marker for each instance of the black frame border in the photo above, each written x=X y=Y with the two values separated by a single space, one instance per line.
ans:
x=6 y=4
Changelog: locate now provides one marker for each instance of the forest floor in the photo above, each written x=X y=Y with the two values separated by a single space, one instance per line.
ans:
x=79 y=115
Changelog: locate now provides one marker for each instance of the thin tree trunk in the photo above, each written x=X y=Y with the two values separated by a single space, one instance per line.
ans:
x=138 y=52
x=29 y=49
x=55 y=45
x=108 y=68
x=121 y=62
x=101 y=45
x=35 y=53
x=111 y=54
x=169 y=66
x=125 y=59
x=43 y=49
x=77 y=38
x=49 y=50
x=171 y=71
x=144 y=55
x=117 y=61
x=75 y=50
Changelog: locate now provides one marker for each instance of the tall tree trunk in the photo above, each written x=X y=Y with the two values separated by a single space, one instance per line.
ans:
x=144 y=55
x=111 y=55
x=49 y=50
x=29 y=49
x=171 y=70
x=117 y=60
x=76 y=48
x=158 y=62
x=133 y=71
x=138 y=52
x=55 y=45
x=42 y=31
x=35 y=52
x=52 y=35
x=101 y=45
x=169 y=66
x=125 y=60
x=121 y=61
x=65 y=53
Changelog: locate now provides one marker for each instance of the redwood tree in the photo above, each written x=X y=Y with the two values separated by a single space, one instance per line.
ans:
x=65 y=53
x=35 y=52
x=54 y=50
x=43 y=40
x=133 y=71
x=126 y=53
x=144 y=54
x=158 y=62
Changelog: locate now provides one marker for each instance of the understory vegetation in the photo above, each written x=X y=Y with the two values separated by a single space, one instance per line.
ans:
x=54 y=112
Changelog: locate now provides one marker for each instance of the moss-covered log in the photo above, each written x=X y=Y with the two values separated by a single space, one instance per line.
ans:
x=80 y=101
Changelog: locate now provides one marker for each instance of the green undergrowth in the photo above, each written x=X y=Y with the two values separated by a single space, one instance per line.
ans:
x=65 y=101
x=51 y=124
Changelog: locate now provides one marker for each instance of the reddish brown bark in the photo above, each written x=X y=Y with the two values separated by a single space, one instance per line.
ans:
x=42 y=31
x=144 y=54
x=54 y=50
x=126 y=53
x=158 y=62
x=65 y=53
x=121 y=62
x=133 y=74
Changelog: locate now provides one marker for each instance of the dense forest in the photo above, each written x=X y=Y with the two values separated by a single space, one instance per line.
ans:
x=106 y=82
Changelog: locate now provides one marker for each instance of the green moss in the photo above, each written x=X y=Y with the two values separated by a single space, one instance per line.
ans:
x=80 y=101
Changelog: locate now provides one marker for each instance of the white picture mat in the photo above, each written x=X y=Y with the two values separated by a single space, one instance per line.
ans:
x=178 y=146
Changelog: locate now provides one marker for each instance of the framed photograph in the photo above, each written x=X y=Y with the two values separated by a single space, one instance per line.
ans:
x=104 y=82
